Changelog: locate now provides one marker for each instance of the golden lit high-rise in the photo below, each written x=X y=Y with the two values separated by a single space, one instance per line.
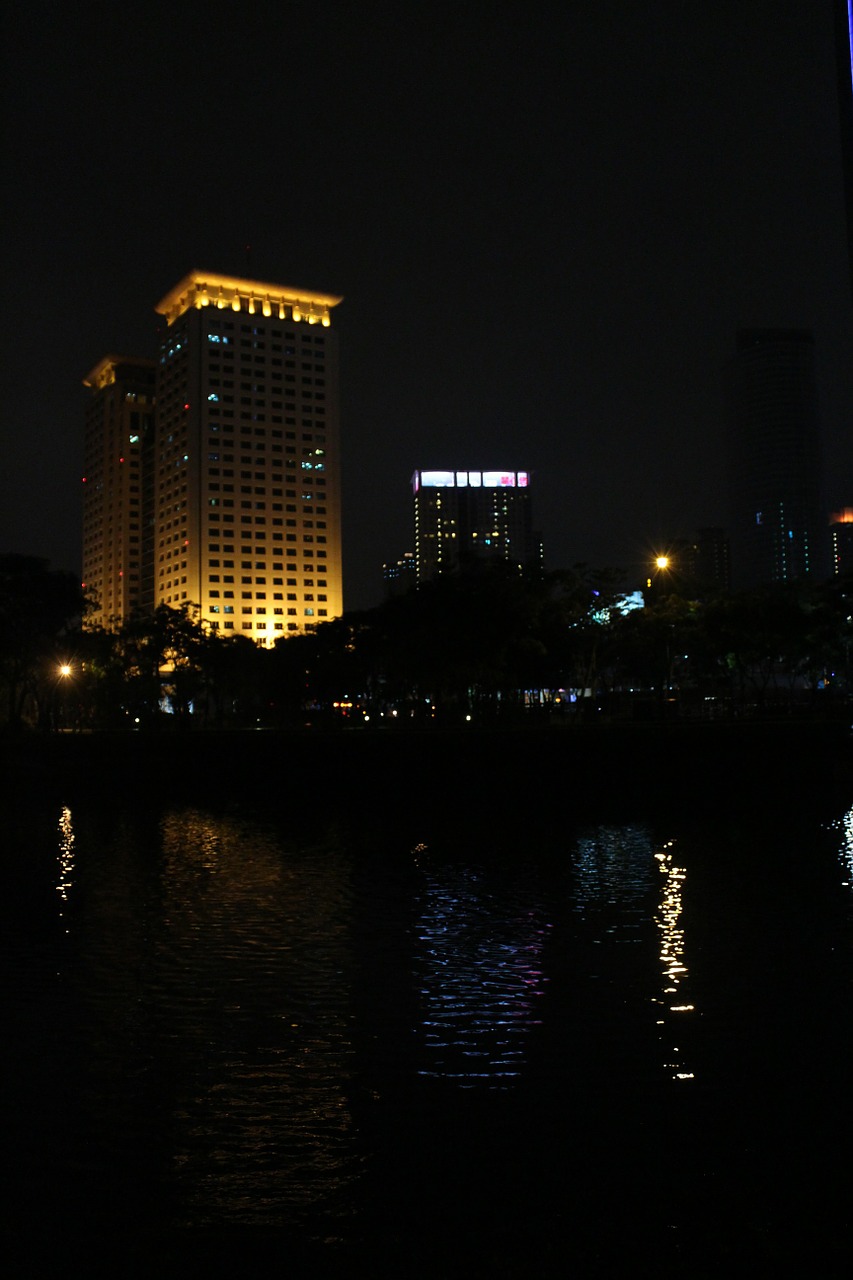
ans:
x=119 y=437
x=244 y=472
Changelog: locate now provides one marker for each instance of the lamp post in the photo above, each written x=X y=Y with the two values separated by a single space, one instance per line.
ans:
x=660 y=585
x=64 y=673
x=660 y=566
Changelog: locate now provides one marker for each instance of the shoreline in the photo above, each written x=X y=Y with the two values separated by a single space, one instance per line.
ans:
x=445 y=767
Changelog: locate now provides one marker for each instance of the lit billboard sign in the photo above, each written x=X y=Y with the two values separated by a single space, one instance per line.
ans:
x=472 y=479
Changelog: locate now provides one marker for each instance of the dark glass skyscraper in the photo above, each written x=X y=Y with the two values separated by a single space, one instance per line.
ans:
x=777 y=530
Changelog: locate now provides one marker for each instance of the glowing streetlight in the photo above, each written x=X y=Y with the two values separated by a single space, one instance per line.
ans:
x=659 y=568
x=65 y=669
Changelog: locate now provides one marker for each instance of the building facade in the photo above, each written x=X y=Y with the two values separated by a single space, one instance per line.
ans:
x=465 y=517
x=243 y=471
x=399 y=576
x=119 y=438
x=776 y=526
x=841 y=541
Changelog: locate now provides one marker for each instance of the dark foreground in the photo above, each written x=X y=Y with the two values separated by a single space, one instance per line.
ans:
x=553 y=765
x=256 y=1027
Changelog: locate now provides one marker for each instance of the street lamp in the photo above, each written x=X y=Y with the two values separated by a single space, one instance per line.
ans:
x=62 y=692
x=660 y=565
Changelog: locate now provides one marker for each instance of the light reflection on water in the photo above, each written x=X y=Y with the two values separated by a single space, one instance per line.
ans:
x=217 y=975
x=65 y=860
x=623 y=882
x=479 y=967
x=252 y=982
x=614 y=868
x=845 y=851
x=672 y=956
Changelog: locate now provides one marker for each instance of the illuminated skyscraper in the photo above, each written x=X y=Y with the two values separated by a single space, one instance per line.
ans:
x=244 y=468
x=119 y=438
x=777 y=531
x=247 y=496
x=462 y=517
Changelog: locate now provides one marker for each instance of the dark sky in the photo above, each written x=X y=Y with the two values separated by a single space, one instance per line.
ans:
x=548 y=222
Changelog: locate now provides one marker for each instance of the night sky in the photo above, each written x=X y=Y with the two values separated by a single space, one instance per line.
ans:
x=547 y=222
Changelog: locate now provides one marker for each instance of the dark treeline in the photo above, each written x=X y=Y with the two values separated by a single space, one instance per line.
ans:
x=487 y=645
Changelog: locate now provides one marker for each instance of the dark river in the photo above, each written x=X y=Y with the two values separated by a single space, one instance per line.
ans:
x=414 y=1031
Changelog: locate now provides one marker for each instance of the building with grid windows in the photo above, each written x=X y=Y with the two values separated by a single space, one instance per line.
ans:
x=119 y=437
x=776 y=522
x=243 y=468
x=465 y=517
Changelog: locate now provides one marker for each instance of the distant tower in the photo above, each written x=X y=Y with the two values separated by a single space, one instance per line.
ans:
x=465 y=517
x=700 y=564
x=777 y=531
x=400 y=575
x=841 y=535
x=117 y=553
x=711 y=560
x=844 y=55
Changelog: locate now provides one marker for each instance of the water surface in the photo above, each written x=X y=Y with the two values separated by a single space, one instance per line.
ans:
x=432 y=1044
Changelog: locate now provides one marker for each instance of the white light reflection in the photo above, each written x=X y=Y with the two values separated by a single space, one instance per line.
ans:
x=674 y=970
x=845 y=852
x=480 y=969
x=65 y=858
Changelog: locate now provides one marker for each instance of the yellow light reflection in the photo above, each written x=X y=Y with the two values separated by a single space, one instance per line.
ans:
x=265 y=1017
x=674 y=970
x=65 y=859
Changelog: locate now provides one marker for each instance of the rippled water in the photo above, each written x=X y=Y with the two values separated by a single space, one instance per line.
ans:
x=609 y=1041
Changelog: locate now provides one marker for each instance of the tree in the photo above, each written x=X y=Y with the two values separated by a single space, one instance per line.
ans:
x=40 y=613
